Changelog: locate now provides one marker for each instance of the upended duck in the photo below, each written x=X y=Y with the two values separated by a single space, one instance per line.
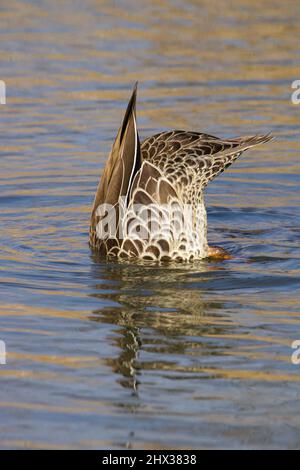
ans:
x=149 y=202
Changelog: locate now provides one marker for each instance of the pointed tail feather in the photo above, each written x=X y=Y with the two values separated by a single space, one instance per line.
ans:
x=123 y=158
x=121 y=166
x=223 y=159
x=245 y=143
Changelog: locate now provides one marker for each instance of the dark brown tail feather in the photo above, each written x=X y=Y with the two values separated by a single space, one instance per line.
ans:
x=122 y=164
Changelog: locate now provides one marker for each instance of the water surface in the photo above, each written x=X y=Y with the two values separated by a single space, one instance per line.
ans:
x=125 y=355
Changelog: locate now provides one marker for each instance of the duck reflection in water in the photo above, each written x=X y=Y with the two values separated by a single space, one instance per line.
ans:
x=161 y=312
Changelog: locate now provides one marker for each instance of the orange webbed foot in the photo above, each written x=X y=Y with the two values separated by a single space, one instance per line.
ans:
x=217 y=253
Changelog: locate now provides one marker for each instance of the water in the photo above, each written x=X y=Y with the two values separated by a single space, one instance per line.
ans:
x=124 y=355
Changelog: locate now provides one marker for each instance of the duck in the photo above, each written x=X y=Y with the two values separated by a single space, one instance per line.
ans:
x=149 y=203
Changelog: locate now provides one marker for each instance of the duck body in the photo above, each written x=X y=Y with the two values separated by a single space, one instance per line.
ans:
x=150 y=200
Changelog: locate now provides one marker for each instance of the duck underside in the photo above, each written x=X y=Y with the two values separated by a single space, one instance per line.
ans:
x=157 y=232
